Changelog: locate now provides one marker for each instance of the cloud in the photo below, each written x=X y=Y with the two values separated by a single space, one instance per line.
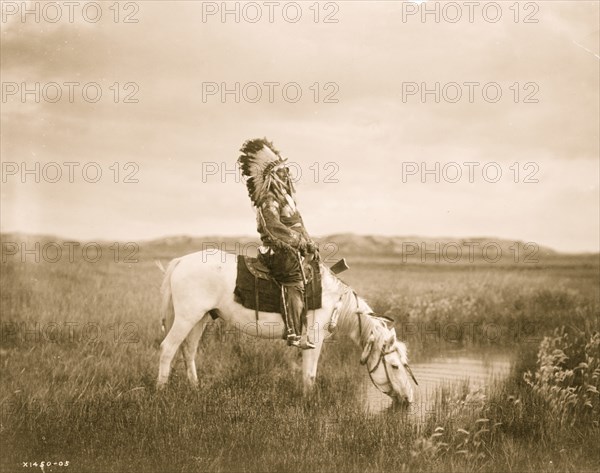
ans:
x=172 y=131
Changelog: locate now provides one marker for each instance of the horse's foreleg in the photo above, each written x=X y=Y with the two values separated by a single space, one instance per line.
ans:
x=182 y=326
x=189 y=347
x=310 y=360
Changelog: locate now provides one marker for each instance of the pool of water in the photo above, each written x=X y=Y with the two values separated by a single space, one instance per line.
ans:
x=458 y=372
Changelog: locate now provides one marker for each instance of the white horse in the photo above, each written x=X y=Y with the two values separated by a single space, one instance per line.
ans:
x=200 y=284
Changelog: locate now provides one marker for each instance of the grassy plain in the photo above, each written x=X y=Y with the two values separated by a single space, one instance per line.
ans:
x=79 y=354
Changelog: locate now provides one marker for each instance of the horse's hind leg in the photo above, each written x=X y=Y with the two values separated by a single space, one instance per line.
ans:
x=182 y=326
x=189 y=348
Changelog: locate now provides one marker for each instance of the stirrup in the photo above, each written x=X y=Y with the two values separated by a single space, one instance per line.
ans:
x=293 y=340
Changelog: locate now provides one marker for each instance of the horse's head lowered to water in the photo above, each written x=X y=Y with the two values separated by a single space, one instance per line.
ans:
x=387 y=362
x=384 y=355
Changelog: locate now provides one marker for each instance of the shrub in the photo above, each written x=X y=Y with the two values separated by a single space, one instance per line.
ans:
x=567 y=377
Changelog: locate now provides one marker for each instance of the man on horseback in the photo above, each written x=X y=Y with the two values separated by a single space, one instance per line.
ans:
x=285 y=240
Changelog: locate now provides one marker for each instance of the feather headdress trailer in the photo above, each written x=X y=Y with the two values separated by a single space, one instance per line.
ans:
x=259 y=163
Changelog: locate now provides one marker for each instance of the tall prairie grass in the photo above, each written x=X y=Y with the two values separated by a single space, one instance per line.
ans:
x=79 y=356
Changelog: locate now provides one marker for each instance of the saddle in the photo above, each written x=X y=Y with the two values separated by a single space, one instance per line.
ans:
x=255 y=288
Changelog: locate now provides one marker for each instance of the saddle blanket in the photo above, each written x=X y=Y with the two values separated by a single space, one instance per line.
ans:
x=256 y=290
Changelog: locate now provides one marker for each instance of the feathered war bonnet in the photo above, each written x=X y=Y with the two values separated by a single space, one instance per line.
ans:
x=259 y=163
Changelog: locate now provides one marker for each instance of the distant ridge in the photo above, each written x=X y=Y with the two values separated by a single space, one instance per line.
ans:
x=398 y=245
x=444 y=251
x=343 y=243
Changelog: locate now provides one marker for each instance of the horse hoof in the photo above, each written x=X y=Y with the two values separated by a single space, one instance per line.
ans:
x=160 y=386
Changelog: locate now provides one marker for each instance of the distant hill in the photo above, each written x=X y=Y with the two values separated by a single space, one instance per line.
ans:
x=344 y=243
x=373 y=245
x=409 y=249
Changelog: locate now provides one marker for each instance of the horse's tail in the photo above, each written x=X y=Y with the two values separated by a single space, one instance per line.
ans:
x=167 y=312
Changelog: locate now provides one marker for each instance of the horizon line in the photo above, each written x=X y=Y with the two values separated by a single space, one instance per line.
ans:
x=316 y=237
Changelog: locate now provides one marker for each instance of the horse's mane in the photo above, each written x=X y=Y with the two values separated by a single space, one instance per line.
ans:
x=348 y=321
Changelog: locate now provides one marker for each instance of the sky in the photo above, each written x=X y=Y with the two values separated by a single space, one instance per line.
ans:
x=366 y=145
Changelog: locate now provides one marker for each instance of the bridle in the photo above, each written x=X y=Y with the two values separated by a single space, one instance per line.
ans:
x=381 y=359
